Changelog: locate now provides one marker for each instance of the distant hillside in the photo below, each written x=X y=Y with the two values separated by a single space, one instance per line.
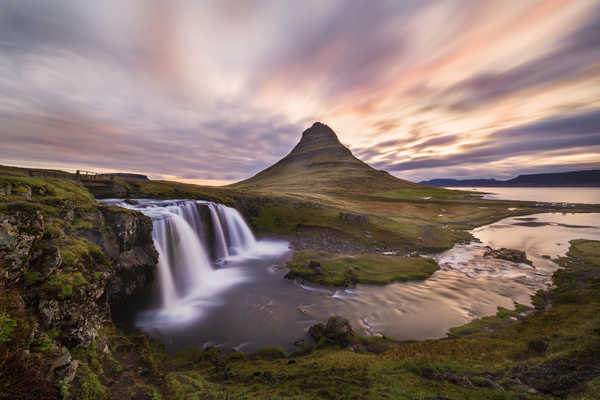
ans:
x=589 y=178
x=320 y=163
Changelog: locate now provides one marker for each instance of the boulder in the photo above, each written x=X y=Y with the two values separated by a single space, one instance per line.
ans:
x=516 y=256
x=337 y=330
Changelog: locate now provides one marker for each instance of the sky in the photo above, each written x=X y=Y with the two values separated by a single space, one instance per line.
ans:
x=212 y=92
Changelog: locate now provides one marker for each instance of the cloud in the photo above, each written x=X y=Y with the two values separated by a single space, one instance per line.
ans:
x=218 y=90
x=573 y=132
x=577 y=51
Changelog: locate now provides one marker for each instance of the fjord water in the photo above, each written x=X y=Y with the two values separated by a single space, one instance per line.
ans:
x=582 y=195
x=242 y=301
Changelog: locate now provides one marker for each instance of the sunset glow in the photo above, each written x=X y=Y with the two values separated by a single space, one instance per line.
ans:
x=212 y=92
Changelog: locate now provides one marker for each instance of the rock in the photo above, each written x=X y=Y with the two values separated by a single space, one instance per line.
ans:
x=537 y=346
x=354 y=218
x=49 y=312
x=350 y=278
x=46 y=260
x=336 y=330
x=6 y=190
x=63 y=368
x=18 y=234
x=317 y=331
x=516 y=256
x=303 y=309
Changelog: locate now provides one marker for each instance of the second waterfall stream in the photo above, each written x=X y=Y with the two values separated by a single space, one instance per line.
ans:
x=193 y=239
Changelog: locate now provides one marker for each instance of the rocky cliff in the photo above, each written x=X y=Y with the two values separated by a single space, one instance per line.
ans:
x=64 y=261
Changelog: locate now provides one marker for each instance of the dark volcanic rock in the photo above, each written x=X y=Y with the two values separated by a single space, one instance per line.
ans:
x=516 y=256
x=337 y=330
x=126 y=241
x=72 y=295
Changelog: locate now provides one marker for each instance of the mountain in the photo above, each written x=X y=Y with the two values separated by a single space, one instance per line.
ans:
x=590 y=178
x=321 y=163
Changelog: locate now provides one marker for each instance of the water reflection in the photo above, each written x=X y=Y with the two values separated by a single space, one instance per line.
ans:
x=583 y=195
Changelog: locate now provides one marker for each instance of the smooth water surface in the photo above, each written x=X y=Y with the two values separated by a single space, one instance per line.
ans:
x=582 y=195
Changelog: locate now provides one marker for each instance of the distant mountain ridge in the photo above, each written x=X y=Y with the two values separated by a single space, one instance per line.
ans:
x=321 y=163
x=588 y=178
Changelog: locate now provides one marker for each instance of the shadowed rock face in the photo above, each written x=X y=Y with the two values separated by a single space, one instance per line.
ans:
x=320 y=162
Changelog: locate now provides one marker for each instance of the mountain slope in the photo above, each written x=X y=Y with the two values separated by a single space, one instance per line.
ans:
x=320 y=163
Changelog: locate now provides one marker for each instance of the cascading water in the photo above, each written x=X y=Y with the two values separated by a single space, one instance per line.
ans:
x=165 y=278
x=186 y=277
x=222 y=250
x=240 y=236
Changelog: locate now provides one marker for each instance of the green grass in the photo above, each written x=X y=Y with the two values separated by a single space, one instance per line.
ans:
x=47 y=188
x=62 y=285
x=427 y=193
x=344 y=270
x=7 y=327
x=79 y=251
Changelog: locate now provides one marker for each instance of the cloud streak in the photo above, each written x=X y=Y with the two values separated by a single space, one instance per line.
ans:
x=217 y=90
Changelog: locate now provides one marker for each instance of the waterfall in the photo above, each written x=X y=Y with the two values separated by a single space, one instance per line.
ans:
x=165 y=279
x=185 y=234
x=222 y=250
x=180 y=238
x=239 y=234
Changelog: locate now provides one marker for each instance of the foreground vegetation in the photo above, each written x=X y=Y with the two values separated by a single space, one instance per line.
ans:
x=549 y=352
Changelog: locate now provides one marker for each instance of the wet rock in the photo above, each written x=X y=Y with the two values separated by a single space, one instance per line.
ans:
x=515 y=256
x=303 y=309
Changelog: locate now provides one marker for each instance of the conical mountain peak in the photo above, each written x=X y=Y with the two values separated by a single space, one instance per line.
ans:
x=318 y=136
x=321 y=163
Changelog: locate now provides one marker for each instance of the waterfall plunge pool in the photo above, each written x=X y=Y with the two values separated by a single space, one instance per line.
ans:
x=219 y=286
